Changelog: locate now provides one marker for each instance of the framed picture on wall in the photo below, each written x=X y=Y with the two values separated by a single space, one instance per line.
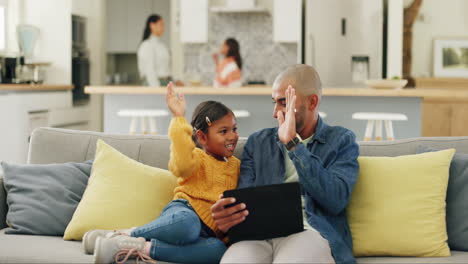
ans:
x=451 y=57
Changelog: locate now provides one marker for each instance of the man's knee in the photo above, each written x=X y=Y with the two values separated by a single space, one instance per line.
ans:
x=249 y=252
x=304 y=247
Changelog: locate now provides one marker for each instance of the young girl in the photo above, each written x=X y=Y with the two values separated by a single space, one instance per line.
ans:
x=228 y=72
x=202 y=159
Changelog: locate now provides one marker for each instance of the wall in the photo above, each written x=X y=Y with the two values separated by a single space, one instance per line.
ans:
x=94 y=11
x=437 y=19
x=14 y=17
x=262 y=58
x=54 y=44
x=177 y=49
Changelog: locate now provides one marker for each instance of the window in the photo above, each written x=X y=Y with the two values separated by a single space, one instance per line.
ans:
x=2 y=24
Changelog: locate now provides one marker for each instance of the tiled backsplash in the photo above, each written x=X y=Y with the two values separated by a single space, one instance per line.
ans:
x=262 y=58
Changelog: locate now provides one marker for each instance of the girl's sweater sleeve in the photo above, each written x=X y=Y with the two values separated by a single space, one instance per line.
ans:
x=183 y=159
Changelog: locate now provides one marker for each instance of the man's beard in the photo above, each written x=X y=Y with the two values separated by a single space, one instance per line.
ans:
x=300 y=117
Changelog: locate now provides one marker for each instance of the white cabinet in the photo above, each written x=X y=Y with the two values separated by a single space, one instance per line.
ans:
x=126 y=21
x=137 y=13
x=116 y=25
x=287 y=20
x=70 y=117
x=20 y=113
x=194 y=21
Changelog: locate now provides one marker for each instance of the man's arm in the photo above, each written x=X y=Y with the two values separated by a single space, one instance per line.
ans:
x=331 y=187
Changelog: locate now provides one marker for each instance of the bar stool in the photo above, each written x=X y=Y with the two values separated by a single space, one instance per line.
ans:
x=145 y=116
x=376 y=119
x=241 y=113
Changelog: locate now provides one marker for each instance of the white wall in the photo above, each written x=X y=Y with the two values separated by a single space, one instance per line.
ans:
x=177 y=49
x=54 y=44
x=437 y=19
x=14 y=17
x=95 y=13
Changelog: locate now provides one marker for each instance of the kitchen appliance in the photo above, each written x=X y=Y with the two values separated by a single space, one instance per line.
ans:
x=78 y=32
x=29 y=70
x=80 y=78
x=10 y=63
x=80 y=60
x=27 y=37
x=360 y=69
x=343 y=40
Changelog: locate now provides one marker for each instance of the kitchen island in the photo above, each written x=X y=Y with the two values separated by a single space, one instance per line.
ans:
x=338 y=103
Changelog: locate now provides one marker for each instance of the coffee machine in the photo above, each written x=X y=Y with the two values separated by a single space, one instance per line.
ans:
x=9 y=68
x=22 y=68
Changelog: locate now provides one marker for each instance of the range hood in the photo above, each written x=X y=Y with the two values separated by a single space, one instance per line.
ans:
x=239 y=6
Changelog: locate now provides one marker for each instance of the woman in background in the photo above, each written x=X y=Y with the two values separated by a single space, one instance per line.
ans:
x=228 y=71
x=153 y=55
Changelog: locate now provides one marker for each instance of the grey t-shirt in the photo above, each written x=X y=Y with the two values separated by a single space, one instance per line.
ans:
x=292 y=176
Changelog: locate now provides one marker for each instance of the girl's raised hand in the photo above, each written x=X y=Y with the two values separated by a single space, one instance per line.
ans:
x=175 y=102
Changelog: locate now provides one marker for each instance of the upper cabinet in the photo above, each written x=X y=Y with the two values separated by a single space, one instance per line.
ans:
x=116 y=25
x=137 y=13
x=126 y=21
x=194 y=21
x=287 y=20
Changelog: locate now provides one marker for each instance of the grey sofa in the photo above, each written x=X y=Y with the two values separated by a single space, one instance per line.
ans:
x=57 y=146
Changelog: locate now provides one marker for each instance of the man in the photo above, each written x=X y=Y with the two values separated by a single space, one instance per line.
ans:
x=322 y=158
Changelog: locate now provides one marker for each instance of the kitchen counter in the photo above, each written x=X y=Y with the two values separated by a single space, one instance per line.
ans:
x=35 y=87
x=430 y=111
x=432 y=93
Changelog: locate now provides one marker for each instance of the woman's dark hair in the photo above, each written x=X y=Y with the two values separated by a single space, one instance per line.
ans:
x=209 y=109
x=151 y=19
x=233 y=51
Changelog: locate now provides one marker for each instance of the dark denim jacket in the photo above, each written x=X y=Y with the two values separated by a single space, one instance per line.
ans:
x=327 y=169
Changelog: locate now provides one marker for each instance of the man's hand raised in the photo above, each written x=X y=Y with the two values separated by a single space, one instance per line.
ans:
x=287 y=121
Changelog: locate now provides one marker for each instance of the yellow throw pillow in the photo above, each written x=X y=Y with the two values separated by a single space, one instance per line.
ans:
x=121 y=193
x=397 y=207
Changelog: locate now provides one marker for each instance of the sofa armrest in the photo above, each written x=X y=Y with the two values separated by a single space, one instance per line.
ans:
x=3 y=204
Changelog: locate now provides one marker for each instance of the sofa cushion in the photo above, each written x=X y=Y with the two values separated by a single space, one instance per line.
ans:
x=40 y=249
x=43 y=198
x=53 y=249
x=121 y=193
x=398 y=205
x=457 y=201
x=43 y=249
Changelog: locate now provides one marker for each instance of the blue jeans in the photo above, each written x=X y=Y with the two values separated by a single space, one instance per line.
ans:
x=178 y=235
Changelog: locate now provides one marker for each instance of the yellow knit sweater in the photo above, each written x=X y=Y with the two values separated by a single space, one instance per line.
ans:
x=201 y=177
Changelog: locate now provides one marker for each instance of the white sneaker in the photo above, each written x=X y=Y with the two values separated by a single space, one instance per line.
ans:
x=120 y=249
x=90 y=237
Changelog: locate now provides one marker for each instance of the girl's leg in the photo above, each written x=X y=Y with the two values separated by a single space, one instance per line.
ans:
x=178 y=224
x=204 y=250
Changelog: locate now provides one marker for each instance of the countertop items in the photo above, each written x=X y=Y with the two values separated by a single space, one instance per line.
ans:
x=35 y=87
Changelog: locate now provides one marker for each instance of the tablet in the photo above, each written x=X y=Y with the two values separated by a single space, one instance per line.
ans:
x=274 y=211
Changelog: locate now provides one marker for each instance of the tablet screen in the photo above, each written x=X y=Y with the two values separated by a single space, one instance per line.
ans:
x=274 y=211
